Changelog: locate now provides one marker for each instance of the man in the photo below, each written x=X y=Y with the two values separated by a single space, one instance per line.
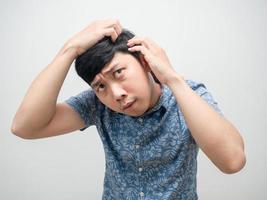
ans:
x=150 y=119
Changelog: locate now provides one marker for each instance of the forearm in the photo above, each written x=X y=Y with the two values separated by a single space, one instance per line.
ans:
x=38 y=105
x=216 y=136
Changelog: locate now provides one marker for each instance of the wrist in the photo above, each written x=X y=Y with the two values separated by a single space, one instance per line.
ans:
x=177 y=84
x=69 y=51
x=175 y=80
x=66 y=52
x=72 y=52
x=71 y=48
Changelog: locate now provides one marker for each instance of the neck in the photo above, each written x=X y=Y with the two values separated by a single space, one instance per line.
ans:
x=156 y=93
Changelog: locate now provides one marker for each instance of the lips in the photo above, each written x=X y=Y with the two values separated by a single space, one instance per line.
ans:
x=127 y=105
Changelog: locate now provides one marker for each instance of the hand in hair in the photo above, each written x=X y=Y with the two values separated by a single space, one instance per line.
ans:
x=154 y=57
x=94 y=32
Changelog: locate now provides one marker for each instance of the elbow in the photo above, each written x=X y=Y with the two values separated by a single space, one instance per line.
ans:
x=19 y=132
x=235 y=164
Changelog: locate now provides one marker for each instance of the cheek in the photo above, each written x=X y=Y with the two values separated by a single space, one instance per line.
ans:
x=137 y=80
x=136 y=88
x=110 y=104
x=105 y=100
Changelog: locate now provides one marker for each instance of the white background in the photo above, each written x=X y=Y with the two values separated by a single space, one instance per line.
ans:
x=220 y=43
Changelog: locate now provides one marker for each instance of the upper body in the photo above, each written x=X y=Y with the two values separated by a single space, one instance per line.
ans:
x=152 y=155
x=126 y=74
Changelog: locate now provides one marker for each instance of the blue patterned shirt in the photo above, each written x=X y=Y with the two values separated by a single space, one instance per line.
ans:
x=150 y=157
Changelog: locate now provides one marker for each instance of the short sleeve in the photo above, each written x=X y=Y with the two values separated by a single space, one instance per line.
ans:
x=202 y=91
x=84 y=104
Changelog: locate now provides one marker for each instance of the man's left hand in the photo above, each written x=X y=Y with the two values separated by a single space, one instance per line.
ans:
x=154 y=56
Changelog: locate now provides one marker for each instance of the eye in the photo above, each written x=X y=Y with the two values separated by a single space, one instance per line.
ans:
x=118 y=72
x=100 y=87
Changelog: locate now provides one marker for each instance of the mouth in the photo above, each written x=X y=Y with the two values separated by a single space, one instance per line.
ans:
x=128 y=105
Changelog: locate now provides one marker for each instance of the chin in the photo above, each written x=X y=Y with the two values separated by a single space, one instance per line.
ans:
x=137 y=113
x=134 y=115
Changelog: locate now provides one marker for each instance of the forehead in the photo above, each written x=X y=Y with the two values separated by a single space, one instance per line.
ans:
x=118 y=59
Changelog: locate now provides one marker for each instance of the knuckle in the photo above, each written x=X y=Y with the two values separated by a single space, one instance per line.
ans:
x=115 y=21
x=161 y=49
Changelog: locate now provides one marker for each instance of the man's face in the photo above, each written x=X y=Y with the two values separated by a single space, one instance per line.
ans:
x=125 y=86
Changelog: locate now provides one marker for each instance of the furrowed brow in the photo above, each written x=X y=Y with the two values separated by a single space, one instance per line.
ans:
x=95 y=84
x=111 y=68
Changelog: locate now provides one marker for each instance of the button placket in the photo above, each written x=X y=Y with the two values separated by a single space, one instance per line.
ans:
x=142 y=194
x=141 y=121
x=140 y=169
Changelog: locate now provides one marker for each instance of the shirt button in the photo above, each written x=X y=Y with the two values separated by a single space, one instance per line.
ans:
x=140 y=169
x=140 y=120
x=137 y=146
x=141 y=194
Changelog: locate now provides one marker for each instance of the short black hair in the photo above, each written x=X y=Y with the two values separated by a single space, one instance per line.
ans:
x=91 y=62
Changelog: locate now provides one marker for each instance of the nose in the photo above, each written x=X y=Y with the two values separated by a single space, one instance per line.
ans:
x=118 y=93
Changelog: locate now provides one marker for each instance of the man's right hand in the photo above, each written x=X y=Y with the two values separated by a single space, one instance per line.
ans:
x=40 y=115
x=94 y=32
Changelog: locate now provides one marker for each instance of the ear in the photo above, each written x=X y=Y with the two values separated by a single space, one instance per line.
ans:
x=144 y=63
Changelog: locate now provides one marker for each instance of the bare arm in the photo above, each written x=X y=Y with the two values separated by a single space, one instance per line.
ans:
x=39 y=106
x=215 y=135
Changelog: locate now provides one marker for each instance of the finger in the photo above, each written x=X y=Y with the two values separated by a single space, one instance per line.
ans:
x=152 y=44
x=135 y=41
x=109 y=22
x=141 y=49
x=110 y=32
x=115 y=24
x=139 y=41
x=117 y=28
x=118 y=24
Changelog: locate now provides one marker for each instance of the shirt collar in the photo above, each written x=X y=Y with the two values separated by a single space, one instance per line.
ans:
x=165 y=93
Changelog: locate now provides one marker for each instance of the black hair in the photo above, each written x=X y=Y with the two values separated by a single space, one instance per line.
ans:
x=91 y=62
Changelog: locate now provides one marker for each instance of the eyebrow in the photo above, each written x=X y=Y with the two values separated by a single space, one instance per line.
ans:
x=111 y=68
x=95 y=84
x=106 y=72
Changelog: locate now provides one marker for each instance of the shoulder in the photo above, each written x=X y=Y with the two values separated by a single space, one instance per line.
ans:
x=83 y=98
x=194 y=84
x=199 y=87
